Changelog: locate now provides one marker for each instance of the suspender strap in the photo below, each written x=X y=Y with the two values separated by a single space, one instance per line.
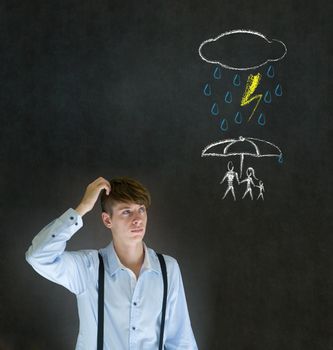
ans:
x=165 y=292
x=100 y=328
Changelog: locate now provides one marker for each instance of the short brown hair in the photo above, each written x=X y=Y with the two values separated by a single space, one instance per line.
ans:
x=124 y=189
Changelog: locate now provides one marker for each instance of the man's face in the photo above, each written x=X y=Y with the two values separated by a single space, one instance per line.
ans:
x=128 y=222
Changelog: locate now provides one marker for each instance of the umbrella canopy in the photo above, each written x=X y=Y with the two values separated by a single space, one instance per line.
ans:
x=243 y=146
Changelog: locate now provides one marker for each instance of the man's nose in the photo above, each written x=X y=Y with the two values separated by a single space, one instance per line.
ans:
x=137 y=220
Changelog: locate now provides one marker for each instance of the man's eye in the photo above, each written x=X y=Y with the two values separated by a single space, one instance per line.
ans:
x=126 y=212
x=142 y=209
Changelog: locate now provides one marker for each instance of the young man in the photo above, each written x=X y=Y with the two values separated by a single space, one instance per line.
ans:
x=134 y=287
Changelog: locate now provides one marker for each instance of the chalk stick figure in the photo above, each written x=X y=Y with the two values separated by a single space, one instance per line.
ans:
x=249 y=182
x=230 y=176
x=261 y=190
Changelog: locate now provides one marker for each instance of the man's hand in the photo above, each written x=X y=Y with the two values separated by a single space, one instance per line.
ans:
x=91 y=195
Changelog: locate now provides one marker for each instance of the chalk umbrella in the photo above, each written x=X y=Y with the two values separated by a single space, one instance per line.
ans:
x=243 y=146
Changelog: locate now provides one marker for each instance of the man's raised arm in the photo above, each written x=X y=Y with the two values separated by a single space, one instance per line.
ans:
x=47 y=253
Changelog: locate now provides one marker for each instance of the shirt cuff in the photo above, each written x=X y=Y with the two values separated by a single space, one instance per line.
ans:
x=72 y=220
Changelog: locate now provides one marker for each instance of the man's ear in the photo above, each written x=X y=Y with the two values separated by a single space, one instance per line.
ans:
x=106 y=220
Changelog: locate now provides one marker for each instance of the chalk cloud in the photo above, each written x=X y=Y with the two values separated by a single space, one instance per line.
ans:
x=221 y=38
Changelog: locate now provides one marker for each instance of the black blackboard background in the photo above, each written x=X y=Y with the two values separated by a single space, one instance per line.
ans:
x=104 y=88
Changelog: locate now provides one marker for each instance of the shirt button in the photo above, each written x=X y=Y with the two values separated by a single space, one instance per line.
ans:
x=134 y=304
x=133 y=328
x=76 y=223
x=53 y=236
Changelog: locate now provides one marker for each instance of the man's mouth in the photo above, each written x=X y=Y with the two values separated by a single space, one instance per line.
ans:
x=137 y=230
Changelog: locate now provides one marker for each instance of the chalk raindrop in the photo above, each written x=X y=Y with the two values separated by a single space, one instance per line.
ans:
x=238 y=118
x=268 y=97
x=262 y=119
x=217 y=73
x=215 y=109
x=207 y=90
x=236 y=80
x=228 y=97
x=278 y=90
x=224 y=125
x=270 y=72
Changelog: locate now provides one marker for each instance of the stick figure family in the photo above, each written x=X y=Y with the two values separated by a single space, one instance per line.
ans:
x=231 y=175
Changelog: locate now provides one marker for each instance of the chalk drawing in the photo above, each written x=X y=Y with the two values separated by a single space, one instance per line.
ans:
x=228 y=97
x=268 y=97
x=253 y=147
x=278 y=90
x=224 y=148
x=237 y=80
x=217 y=73
x=261 y=190
x=230 y=176
x=251 y=85
x=224 y=125
x=240 y=96
x=207 y=90
x=249 y=181
x=215 y=109
x=270 y=72
x=238 y=118
x=241 y=31
x=262 y=119
x=255 y=85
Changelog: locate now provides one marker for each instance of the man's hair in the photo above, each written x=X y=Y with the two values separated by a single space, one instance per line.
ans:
x=124 y=189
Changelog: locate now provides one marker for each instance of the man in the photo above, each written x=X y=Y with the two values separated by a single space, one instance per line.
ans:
x=133 y=276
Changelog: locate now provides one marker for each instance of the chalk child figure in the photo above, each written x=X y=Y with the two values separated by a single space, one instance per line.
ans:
x=230 y=176
x=261 y=190
x=249 y=182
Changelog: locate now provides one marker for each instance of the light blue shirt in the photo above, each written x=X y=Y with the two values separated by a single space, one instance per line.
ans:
x=132 y=309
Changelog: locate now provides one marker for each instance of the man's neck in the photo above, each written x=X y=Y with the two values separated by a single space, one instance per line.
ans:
x=131 y=256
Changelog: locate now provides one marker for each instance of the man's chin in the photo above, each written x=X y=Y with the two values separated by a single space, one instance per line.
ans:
x=137 y=233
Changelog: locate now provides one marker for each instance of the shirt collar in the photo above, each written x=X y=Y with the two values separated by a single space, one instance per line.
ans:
x=150 y=261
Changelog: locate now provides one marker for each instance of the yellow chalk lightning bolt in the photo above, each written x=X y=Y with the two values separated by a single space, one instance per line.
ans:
x=251 y=85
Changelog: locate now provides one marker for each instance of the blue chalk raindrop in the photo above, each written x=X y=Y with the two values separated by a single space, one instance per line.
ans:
x=224 y=125
x=236 y=80
x=280 y=159
x=268 y=97
x=278 y=90
x=207 y=90
x=238 y=118
x=217 y=73
x=215 y=109
x=228 y=97
x=262 y=119
x=270 y=72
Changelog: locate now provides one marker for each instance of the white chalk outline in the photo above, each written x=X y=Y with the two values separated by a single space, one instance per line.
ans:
x=236 y=31
x=230 y=142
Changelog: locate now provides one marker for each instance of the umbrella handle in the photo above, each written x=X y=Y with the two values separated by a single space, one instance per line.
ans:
x=241 y=165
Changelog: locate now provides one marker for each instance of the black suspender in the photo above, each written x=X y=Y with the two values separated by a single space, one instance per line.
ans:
x=165 y=291
x=100 y=325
